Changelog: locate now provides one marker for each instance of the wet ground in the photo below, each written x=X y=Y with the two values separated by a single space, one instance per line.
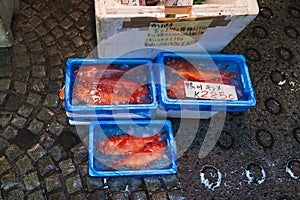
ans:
x=42 y=157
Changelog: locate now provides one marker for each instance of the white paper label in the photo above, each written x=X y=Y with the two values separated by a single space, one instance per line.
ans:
x=202 y=90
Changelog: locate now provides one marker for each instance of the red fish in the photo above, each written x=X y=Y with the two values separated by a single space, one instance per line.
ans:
x=91 y=74
x=125 y=144
x=188 y=72
x=198 y=73
x=151 y=153
x=110 y=91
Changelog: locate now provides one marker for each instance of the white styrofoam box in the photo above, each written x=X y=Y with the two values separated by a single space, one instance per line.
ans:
x=130 y=31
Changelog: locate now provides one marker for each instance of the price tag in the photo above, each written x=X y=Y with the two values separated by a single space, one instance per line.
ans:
x=202 y=90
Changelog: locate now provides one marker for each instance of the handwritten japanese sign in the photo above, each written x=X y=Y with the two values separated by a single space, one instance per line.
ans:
x=175 y=33
x=202 y=90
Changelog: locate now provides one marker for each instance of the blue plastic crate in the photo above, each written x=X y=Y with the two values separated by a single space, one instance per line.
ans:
x=110 y=111
x=235 y=63
x=98 y=131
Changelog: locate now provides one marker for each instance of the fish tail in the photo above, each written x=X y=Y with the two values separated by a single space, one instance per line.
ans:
x=156 y=136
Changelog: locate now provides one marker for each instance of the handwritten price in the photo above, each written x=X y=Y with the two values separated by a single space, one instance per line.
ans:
x=200 y=90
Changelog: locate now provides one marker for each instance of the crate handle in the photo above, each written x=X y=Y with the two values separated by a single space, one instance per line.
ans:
x=178 y=10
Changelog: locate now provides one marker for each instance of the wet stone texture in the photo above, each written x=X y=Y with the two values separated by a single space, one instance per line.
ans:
x=9 y=181
x=73 y=184
x=42 y=157
x=46 y=165
x=31 y=181
x=53 y=182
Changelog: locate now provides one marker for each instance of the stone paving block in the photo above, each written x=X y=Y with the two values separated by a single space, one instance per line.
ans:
x=139 y=195
x=21 y=61
x=39 y=5
x=84 y=6
x=83 y=168
x=55 y=86
x=51 y=23
x=19 y=49
x=134 y=183
x=47 y=141
x=51 y=100
x=170 y=181
x=13 y=103
x=19 y=121
x=35 y=21
x=25 y=111
x=37 y=195
x=176 y=195
x=66 y=24
x=119 y=195
x=21 y=74
x=72 y=32
x=36 y=152
x=5 y=117
x=20 y=87
x=13 y=152
x=24 y=164
x=73 y=184
x=38 y=71
x=3 y=143
x=5 y=69
x=41 y=30
x=57 y=32
x=87 y=34
x=31 y=181
x=56 y=128
x=159 y=196
x=53 y=182
x=30 y=37
x=78 y=41
x=46 y=165
x=97 y=195
x=152 y=184
x=49 y=40
x=52 y=50
x=28 y=12
x=79 y=152
x=57 y=195
x=25 y=139
x=9 y=181
x=56 y=72
x=34 y=99
x=116 y=184
x=37 y=85
x=58 y=153
x=35 y=126
x=37 y=59
x=35 y=47
x=9 y=132
x=4 y=84
x=81 y=196
x=68 y=139
x=45 y=115
x=76 y=15
x=94 y=183
x=56 y=69
x=67 y=167
x=16 y=194
x=2 y=98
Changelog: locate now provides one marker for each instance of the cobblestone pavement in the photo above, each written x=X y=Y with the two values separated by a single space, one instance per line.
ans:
x=42 y=157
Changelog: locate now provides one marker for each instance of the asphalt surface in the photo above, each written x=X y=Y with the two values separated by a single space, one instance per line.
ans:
x=41 y=156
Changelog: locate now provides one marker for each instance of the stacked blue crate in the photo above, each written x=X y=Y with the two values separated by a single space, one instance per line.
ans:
x=233 y=94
